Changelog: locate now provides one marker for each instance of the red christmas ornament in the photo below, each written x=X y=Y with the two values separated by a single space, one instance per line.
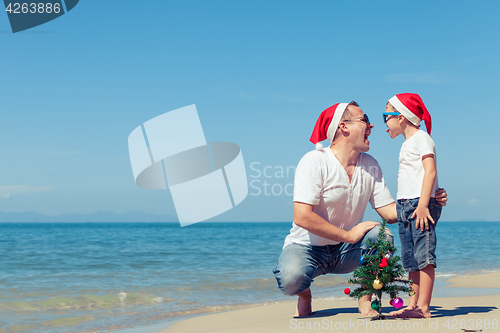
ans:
x=383 y=263
x=347 y=291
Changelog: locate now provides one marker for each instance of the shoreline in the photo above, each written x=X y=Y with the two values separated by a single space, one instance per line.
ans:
x=481 y=307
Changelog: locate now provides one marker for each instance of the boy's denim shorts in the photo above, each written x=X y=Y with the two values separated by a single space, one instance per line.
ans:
x=418 y=248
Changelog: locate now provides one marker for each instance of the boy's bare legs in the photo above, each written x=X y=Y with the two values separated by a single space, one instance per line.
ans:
x=422 y=310
x=415 y=277
x=304 y=307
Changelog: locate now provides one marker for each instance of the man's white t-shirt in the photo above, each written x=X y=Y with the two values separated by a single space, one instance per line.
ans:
x=411 y=170
x=321 y=181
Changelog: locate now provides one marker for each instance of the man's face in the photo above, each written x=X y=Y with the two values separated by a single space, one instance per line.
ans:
x=359 y=129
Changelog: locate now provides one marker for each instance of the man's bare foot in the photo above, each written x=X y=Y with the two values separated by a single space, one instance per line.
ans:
x=416 y=313
x=304 y=307
x=399 y=313
x=365 y=306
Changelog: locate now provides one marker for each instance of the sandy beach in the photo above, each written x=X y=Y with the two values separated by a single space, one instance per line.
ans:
x=450 y=314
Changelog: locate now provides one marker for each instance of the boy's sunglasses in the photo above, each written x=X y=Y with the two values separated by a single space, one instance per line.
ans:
x=363 y=119
x=387 y=114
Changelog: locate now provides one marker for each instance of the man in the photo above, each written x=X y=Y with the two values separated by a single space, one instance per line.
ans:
x=332 y=188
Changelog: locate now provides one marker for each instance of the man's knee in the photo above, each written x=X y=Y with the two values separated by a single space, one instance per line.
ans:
x=294 y=269
x=388 y=236
x=292 y=282
x=372 y=235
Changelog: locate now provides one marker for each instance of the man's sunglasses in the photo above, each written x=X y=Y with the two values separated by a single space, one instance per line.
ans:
x=387 y=114
x=363 y=119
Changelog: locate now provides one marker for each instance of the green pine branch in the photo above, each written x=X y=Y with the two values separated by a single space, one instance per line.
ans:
x=391 y=276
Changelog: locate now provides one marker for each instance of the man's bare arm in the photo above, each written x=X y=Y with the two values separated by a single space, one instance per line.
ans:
x=305 y=217
x=388 y=212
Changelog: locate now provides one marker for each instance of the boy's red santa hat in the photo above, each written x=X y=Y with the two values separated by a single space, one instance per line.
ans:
x=327 y=124
x=413 y=108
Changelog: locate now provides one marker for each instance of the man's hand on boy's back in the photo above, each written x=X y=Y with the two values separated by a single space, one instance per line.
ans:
x=441 y=196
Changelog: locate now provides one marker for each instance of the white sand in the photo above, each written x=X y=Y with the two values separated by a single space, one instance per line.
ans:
x=449 y=315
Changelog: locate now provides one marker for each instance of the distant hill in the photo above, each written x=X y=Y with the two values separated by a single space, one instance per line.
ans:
x=92 y=217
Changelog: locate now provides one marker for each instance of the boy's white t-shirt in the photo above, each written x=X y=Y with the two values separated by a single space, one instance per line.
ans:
x=321 y=181
x=411 y=169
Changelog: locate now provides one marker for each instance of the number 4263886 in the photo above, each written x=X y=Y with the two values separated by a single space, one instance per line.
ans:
x=40 y=8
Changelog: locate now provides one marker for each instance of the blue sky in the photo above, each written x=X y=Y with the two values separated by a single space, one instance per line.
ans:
x=260 y=73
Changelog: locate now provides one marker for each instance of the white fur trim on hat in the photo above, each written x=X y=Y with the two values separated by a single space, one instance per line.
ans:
x=398 y=105
x=332 y=129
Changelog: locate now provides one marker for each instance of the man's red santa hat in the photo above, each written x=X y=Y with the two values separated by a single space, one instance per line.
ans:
x=413 y=108
x=327 y=124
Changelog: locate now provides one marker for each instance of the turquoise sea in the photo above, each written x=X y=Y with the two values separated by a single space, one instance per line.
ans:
x=140 y=277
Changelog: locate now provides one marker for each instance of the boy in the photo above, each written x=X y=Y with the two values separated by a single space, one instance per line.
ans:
x=417 y=210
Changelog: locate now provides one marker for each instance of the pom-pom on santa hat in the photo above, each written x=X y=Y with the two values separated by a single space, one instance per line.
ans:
x=413 y=108
x=327 y=124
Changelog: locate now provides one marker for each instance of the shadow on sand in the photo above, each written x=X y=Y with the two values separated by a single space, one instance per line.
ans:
x=437 y=311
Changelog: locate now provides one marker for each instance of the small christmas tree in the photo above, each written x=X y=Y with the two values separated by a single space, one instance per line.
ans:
x=380 y=272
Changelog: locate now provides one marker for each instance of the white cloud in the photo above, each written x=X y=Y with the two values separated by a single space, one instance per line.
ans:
x=416 y=78
x=8 y=191
x=473 y=201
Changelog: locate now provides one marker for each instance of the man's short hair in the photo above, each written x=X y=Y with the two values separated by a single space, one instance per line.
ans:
x=346 y=115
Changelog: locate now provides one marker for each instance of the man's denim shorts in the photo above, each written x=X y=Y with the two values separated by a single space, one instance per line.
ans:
x=418 y=248
x=299 y=264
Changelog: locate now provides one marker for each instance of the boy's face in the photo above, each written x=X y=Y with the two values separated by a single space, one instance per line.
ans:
x=393 y=125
